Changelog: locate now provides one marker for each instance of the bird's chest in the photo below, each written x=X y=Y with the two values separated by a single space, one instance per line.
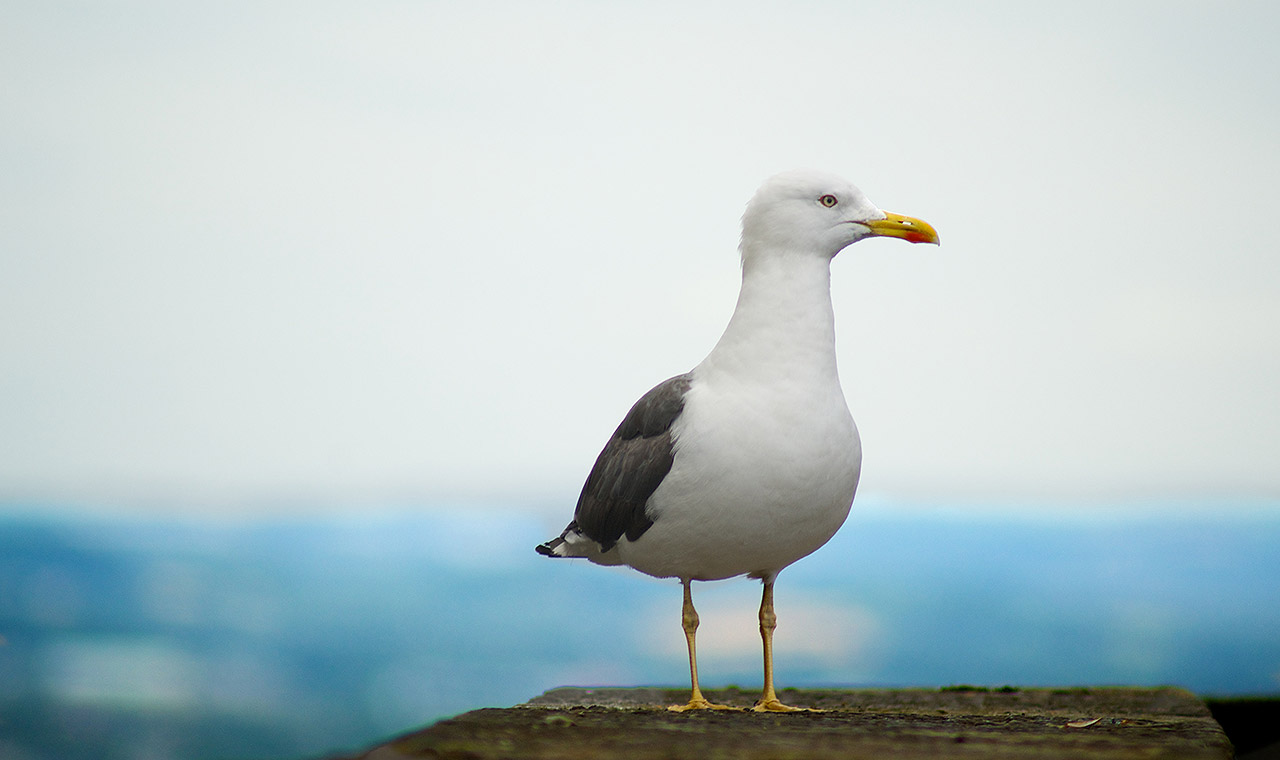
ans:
x=783 y=443
x=758 y=481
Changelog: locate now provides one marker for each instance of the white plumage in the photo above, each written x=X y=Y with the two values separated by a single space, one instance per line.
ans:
x=751 y=460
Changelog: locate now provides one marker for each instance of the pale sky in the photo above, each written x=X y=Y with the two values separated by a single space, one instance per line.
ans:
x=287 y=252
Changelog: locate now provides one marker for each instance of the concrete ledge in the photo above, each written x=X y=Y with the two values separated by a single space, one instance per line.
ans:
x=1108 y=723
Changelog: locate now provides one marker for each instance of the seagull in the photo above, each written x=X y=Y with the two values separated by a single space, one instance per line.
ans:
x=749 y=461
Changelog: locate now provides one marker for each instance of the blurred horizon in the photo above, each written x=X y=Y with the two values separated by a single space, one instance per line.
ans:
x=196 y=636
x=556 y=509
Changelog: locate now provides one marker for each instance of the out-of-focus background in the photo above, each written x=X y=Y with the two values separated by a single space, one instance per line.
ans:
x=313 y=318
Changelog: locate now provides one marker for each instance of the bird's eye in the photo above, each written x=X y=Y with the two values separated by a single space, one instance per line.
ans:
x=828 y=200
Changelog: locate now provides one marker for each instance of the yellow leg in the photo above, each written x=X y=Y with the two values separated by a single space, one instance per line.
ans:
x=689 y=620
x=768 y=622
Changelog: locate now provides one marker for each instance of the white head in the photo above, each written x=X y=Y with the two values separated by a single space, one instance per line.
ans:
x=816 y=213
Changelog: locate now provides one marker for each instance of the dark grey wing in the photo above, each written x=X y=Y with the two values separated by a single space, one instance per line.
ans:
x=629 y=469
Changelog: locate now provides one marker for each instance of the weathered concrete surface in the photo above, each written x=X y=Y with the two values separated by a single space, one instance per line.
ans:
x=633 y=724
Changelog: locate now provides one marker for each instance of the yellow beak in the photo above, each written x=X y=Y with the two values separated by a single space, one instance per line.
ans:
x=908 y=228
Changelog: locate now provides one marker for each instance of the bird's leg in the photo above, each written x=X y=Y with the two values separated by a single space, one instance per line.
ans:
x=689 y=620
x=768 y=622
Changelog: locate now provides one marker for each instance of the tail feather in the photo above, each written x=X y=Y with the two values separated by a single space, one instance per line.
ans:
x=573 y=543
x=562 y=545
x=549 y=548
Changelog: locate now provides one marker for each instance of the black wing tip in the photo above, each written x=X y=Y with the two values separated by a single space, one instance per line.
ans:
x=549 y=548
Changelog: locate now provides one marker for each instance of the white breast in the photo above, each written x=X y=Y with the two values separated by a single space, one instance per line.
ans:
x=751 y=493
x=767 y=456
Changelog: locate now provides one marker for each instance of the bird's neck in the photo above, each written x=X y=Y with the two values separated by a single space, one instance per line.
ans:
x=783 y=326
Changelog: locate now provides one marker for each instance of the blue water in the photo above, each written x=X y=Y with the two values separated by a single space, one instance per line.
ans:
x=127 y=638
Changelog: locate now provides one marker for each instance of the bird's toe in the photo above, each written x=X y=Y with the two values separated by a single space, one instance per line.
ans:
x=774 y=705
x=700 y=703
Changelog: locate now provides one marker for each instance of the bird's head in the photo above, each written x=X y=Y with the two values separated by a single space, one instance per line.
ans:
x=808 y=211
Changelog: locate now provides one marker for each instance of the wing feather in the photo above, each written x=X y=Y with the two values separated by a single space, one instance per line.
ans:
x=631 y=466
